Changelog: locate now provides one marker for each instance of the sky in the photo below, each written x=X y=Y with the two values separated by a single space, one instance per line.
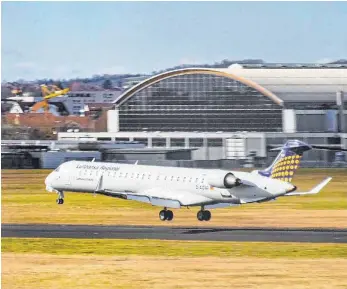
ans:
x=62 y=40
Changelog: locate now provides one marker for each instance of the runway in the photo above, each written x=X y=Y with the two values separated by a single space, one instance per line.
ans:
x=174 y=233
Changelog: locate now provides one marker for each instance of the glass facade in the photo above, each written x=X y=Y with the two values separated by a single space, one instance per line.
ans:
x=199 y=102
x=177 y=142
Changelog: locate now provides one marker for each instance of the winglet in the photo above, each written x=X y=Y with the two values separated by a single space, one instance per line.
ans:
x=313 y=191
x=93 y=160
x=136 y=162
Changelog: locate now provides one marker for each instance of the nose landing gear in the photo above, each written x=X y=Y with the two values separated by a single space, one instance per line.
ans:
x=60 y=199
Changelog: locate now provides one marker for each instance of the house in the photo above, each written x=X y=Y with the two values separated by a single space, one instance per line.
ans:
x=16 y=106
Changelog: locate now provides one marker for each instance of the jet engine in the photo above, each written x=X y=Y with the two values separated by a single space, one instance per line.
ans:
x=223 y=180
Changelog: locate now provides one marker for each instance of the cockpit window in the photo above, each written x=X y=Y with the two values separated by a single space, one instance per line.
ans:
x=57 y=169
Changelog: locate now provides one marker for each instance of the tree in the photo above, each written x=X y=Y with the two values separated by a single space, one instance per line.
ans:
x=340 y=61
x=107 y=84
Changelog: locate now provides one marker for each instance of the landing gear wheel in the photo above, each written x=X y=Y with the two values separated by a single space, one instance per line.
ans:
x=60 y=201
x=162 y=215
x=204 y=215
x=169 y=215
x=207 y=215
x=200 y=215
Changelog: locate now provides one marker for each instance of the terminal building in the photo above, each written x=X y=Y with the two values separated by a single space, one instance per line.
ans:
x=232 y=112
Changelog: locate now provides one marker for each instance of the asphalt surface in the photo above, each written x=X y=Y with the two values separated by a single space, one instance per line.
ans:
x=174 y=233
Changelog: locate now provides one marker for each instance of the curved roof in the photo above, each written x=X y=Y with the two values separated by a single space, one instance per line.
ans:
x=297 y=84
x=280 y=84
x=219 y=72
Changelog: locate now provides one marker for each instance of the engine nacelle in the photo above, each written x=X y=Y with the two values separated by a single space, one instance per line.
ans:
x=223 y=180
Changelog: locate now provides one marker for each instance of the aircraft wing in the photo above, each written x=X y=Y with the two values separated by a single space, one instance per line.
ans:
x=160 y=197
x=313 y=191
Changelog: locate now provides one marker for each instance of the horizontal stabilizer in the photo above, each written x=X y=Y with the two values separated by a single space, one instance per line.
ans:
x=329 y=148
x=314 y=191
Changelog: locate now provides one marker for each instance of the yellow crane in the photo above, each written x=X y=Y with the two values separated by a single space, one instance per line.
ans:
x=48 y=93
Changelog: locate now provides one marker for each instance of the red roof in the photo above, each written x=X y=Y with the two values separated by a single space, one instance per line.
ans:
x=47 y=120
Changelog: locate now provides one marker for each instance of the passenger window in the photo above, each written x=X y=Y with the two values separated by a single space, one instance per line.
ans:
x=165 y=178
x=178 y=179
x=126 y=175
x=172 y=178
x=158 y=177
x=196 y=180
x=184 y=179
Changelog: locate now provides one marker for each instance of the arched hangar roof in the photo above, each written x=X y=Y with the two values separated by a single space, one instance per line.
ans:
x=297 y=83
x=281 y=84
x=219 y=72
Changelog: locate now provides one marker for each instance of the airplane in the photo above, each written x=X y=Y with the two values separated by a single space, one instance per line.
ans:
x=176 y=187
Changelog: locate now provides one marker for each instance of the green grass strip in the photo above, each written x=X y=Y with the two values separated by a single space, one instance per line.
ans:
x=172 y=248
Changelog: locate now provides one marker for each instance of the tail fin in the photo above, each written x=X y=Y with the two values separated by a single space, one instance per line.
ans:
x=287 y=161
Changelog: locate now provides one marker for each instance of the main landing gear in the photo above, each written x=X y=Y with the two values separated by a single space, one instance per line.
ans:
x=60 y=199
x=204 y=215
x=166 y=215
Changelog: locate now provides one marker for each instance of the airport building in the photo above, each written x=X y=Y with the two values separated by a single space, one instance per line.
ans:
x=76 y=101
x=232 y=112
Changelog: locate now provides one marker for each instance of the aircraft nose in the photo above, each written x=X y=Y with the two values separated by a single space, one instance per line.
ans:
x=48 y=180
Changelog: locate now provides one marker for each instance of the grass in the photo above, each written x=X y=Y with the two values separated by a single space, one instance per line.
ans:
x=24 y=200
x=33 y=271
x=29 y=263
x=111 y=247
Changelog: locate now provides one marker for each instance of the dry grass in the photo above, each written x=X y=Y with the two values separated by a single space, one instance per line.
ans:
x=37 y=271
x=169 y=248
x=24 y=200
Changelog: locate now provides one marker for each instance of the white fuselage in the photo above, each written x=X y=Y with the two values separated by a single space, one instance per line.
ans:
x=80 y=176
